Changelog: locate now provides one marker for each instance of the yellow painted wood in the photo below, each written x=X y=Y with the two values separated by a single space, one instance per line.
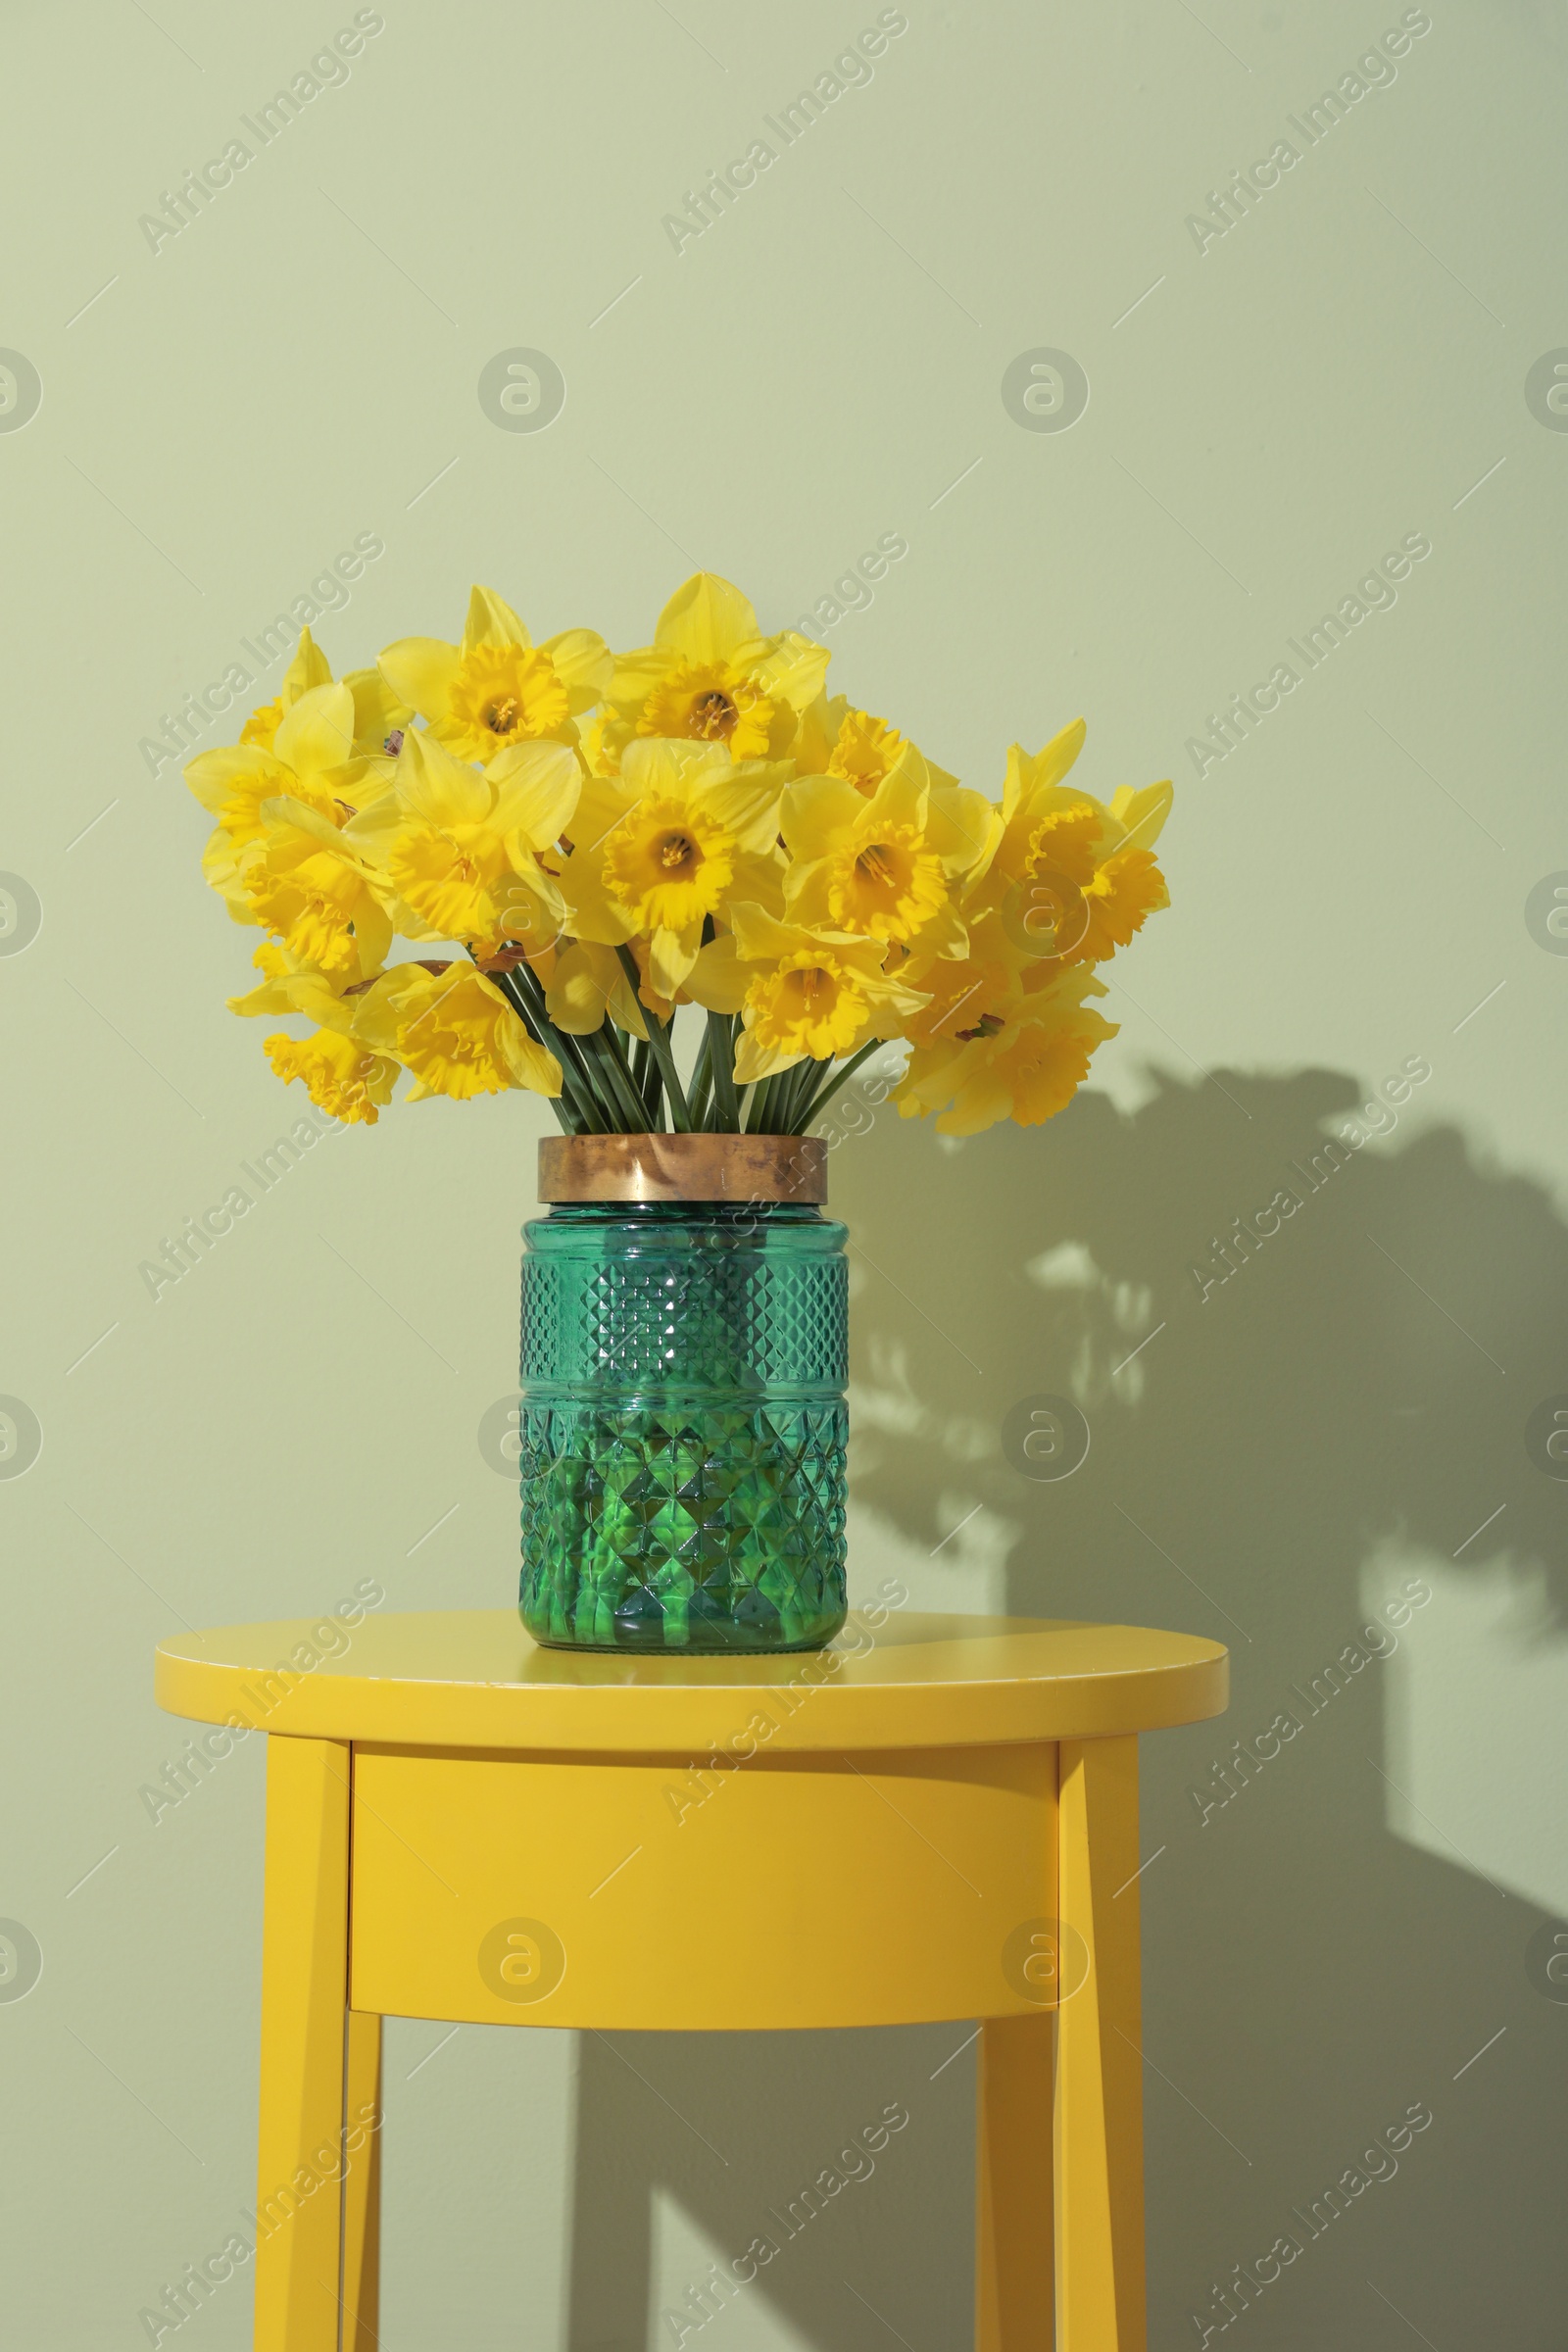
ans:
x=474 y=1679
x=1014 y=2268
x=804 y=1890
x=304 y=1996
x=1100 y=2127
x=464 y=1826
x=362 y=2184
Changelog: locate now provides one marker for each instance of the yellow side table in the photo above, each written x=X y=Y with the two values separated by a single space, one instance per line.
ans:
x=935 y=1818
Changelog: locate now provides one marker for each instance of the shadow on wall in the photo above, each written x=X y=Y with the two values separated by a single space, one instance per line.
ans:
x=1362 y=1378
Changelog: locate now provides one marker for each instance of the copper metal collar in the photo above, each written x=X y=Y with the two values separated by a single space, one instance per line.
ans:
x=737 y=1168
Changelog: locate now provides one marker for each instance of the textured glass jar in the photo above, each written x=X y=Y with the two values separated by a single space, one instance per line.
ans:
x=683 y=1426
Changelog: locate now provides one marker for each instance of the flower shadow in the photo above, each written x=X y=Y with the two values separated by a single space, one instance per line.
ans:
x=1270 y=1461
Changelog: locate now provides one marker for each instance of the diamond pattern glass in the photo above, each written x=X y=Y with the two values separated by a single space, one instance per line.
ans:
x=683 y=1428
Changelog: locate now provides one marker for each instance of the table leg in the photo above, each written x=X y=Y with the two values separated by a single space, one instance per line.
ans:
x=362 y=2184
x=304 y=2012
x=1014 y=2266
x=1100 y=2125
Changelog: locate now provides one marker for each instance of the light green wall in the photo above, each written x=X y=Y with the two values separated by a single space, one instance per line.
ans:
x=1337 y=371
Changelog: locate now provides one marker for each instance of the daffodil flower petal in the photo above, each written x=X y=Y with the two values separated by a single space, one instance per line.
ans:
x=536 y=791
x=818 y=814
x=1047 y=767
x=584 y=663
x=719 y=980
x=319 y=732
x=576 y=999
x=789 y=666
x=433 y=785
x=420 y=671
x=492 y=622
x=218 y=778
x=705 y=618
x=1142 y=813
x=308 y=667
x=671 y=957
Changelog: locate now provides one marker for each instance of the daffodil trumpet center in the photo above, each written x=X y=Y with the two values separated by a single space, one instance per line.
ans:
x=810 y=987
x=888 y=888
x=668 y=863
x=809 y=1007
x=505 y=694
x=865 y=750
x=709 y=703
x=713 y=716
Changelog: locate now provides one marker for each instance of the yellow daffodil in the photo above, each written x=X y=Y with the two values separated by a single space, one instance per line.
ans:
x=459 y=849
x=454 y=1030
x=1127 y=888
x=309 y=668
x=338 y=1073
x=497 y=688
x=804 y=995
x=710 y=677
x=340 y=1076
x=1022 y=1058
x=587 y=980
x=888 y=866
x=311 y=888
x=964 y=997
x=865 y=750
x=659 y=849
x=835 y=739
x=1070 y=878
x=377 y=713
x=698 y=822
x=604 y=738
x=311 y=759
x=291 y=983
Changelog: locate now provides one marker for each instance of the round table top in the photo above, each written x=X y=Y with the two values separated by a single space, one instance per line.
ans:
x=472 y=1678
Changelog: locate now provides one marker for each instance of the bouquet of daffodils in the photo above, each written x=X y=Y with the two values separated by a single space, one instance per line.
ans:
x=578 y=844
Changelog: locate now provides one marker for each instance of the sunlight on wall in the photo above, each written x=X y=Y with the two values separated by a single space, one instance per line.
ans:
x=698 y=2296
x=966 y=1571
x=1477 y=1693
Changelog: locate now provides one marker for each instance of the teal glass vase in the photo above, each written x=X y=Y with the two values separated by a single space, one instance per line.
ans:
x=683 y=1426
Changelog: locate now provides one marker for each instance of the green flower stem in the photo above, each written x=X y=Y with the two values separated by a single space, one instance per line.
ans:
x=786 y=1095
x=799 y=1084
x=577 y=1068
x=825 y=1094
x=680 y=1116
x=645 y=1078
x=702 y=1085
x=621 y=1099
x=784 y=1099
x=759 y=1118
x=576 y=1084
x=608 y=1042
x=525 y=990
x=527 y=997
x=721 y=1055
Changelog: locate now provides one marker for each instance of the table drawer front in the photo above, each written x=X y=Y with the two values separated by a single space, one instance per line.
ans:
x=645 y=1893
